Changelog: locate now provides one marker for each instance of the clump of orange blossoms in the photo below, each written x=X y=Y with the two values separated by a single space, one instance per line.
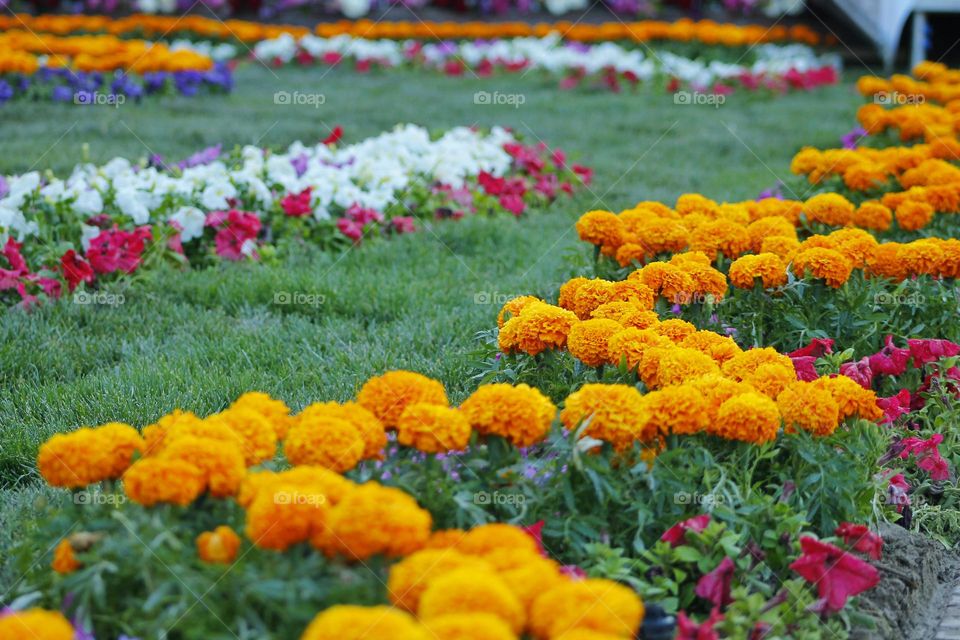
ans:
x=85 y=456
x=616 y=414
x=388 y=395
x=433 y=429
x=218 y=546
x=520 y=414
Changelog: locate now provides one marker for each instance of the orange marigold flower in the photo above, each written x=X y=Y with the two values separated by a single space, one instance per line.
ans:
x=64 y=561
x=615 y=310
x=468 y=590
x=155 y=435
x=630 y=253
x=218 y=546
x=690 y=203
x=538 y=328
x=634 y=292
x=680 y=409
x=615 y=411
x=469 y=626
x=367 y=425
x=913 y=215
x=768 y=267
x=601 y=228
x=717 y=389
x=749 y=417
x=810 y=407
x=487 y=538
x=769 y=227
x=679 y=365
x=409 y=577
x=275 y=411
x=709 y=285
x=720 y=348
x=324 y=485
x=829 y=208
x=568 y=292
x=520 y=414
x=921 y=257
x=784 y=248
x=388 y=395
x=348 y=622
x=35 y=624
x=884 y=262
x=950 y=264
x=665 y=280
x=221 y=463
x=590 y=295
x=596 y=604
x=873 y=215
x=721 y=236
x=325 y=441
x=433 y=429
x=865 y=175
x=630 y=345
x=851 y=398
x=85 y=456
x=743 y=366
x=772 y=378
x=827 y=264
x=661 y=235
x=587 y=340
x=259 y=440
x=856 y=245
x=640 y=320
x=513 y=307
x=372 y=520
x=159 y=479
x=675 y=329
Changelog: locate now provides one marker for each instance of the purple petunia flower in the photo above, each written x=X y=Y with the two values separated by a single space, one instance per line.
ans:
x=852 y=139
x=300 y=164
x=6 y=91
x=202 y=157
x=62 y=93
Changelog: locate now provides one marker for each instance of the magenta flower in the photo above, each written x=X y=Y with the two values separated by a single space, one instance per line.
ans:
x=898 y=492
x=859 y=372
x=803 y=365
x=891 y=360
x=687 y=629
x=676 y=535
x=715 y=586
x=927 y=351
x=894 y=406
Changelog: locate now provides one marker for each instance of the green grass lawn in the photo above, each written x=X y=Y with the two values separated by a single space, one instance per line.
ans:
x=198 y=339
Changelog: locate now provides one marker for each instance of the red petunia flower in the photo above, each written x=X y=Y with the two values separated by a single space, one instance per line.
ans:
x=804 y=366
x=676 y=535
x=687 y=629
x=75 y=269
x=715 y=586
x=859 y=371
x=297 y=205
x=861 y=538
x=894 y=406
x=891 y=360
x=334 y=136
x=836 y=574
x=818 y=347
x=927 y=351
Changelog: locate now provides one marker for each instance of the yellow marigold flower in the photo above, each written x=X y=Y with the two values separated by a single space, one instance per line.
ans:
x=921 y=257
x=284 y=514
x=737 y=212
x=469 y=590
x=865 y=175
x=690 y=203
x=640 y=320
x=707 y=283
x=258 y=437
x=680 y=409
x=324 y=441
x=810 y=407
x=784 y=248
x=873 y=215
x=913 y=215
x=587 y=634
x=601 y=228
x=527 y=574
x=950 y=264
x=275 y=411
x=513 y=307
x=538 y=328
x=689 y=259
x=409 y=577
x=716 y=390
x=851 y=398
x=630 y=344
x=629 y=253
x=615 y=411
x=218 y=546
x=587 y=340
x=675 y=329
x=373 y=519
x=469 y=626
x=159 y=479
x=885 y=262
x=791 y=210
x=520 y=414
x=487 y=538
x=662 y=235
x=829 y=208
x=35 y=624
x=186 y=425
x=772 y=378
x=590 y=295
x=650 y=364
x=595 y=604
x=64 y=561
x=634 y=292
x=322 y=484
x=222 y=463
x=769 y=227
x=615 y=310
x=721 y=236
x=348 y=622
x=827 y=264
x=720 y=348
x=568 y=292
x=85 y=456
x=749 y=417
x=767 y=266
x=388 y=395
x=367 y=425
x=666 y=280
x=445 y=539
x=680 y=365
x=433 y=429
x=805 y=161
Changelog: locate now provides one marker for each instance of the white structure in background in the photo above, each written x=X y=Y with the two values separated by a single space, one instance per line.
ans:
x=883 y=22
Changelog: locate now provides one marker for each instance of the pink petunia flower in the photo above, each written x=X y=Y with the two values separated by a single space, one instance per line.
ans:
x=837 y=574
x=891 y=360
x=715 y=586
